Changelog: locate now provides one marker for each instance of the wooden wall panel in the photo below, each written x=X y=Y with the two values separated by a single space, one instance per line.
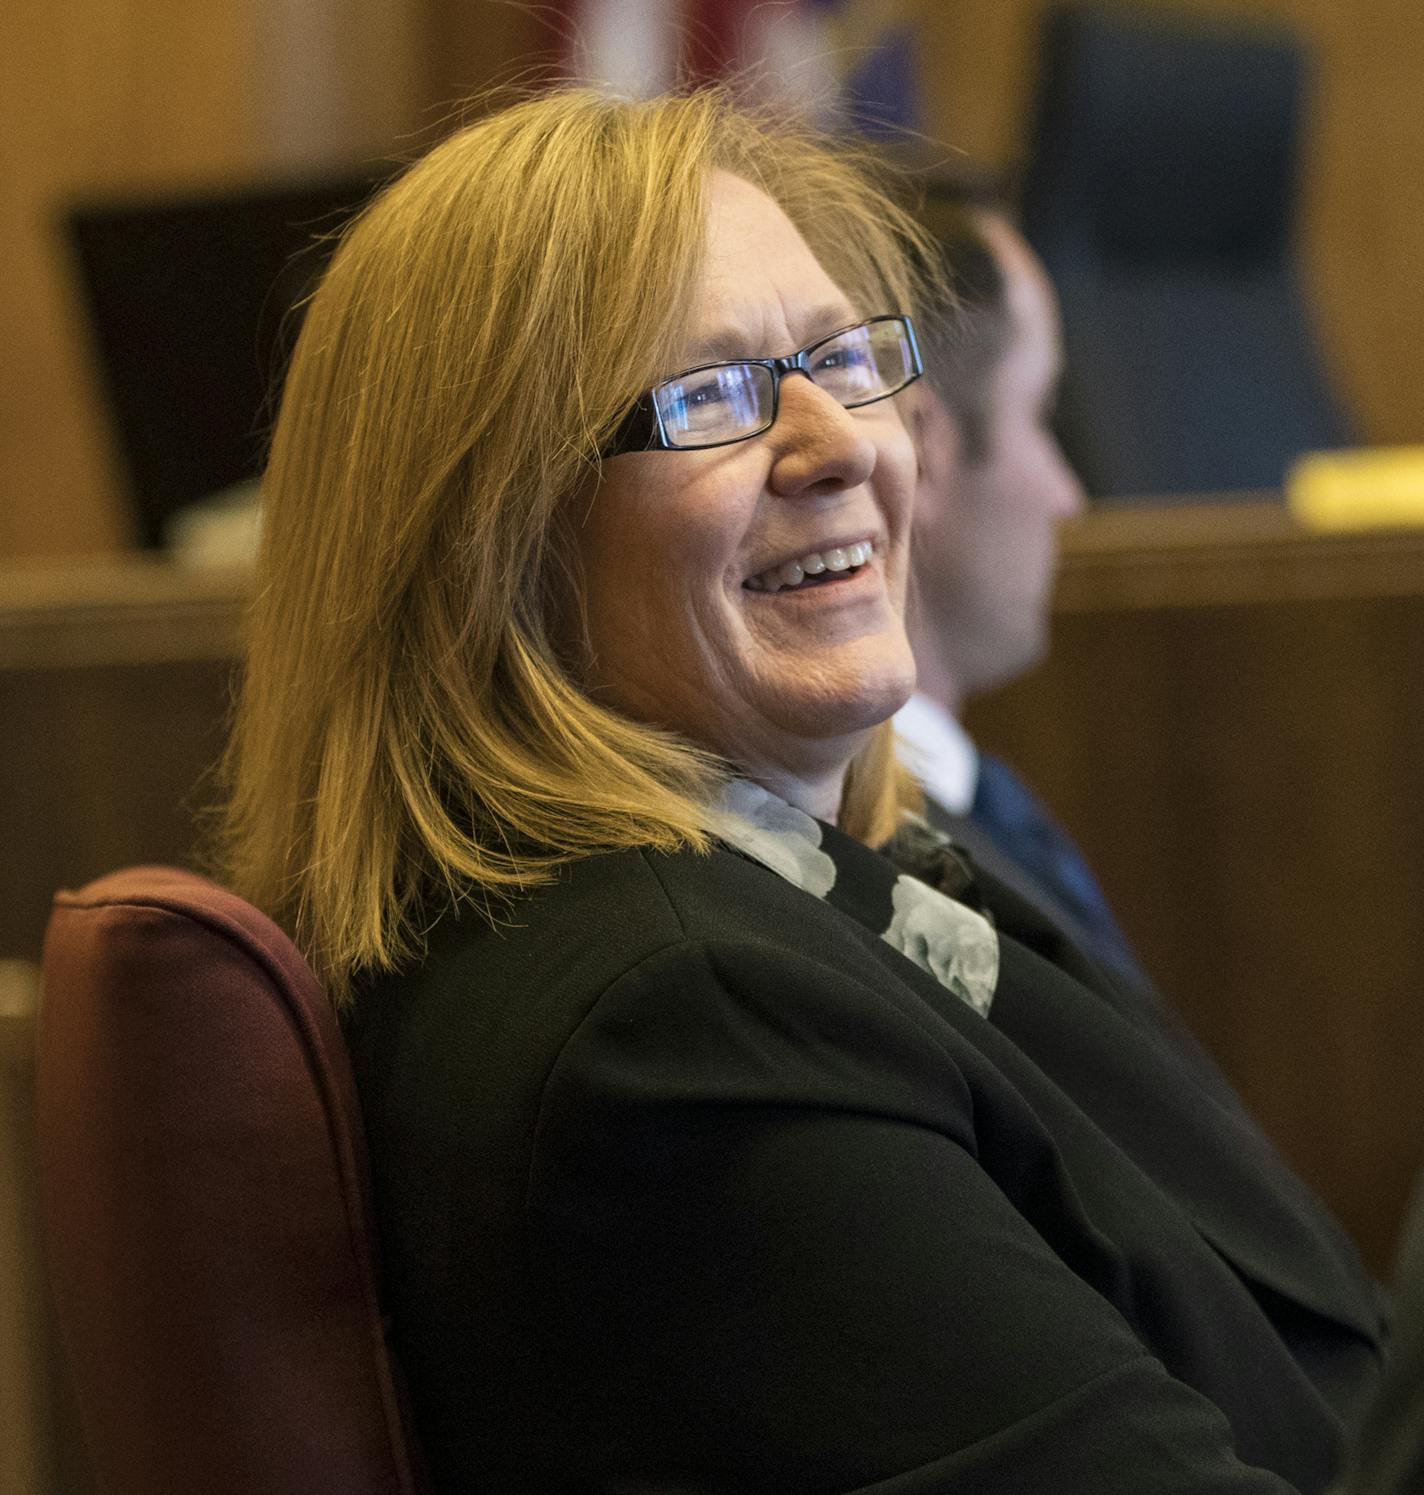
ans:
x=114 y=688
x=41 y=1443
x=96 y=98
x=118 y=96
x=1225 y=794
x=1363 y=214
x=130 y=781
x=1250 y=802
x=471 y=47
x=336 y=80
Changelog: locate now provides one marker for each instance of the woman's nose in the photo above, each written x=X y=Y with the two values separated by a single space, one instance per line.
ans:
x=818 y=444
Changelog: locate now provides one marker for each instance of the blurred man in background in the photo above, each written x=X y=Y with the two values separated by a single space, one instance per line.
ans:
x=994 y=488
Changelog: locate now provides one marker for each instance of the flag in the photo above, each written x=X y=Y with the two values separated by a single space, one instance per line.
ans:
x=874 y=44
x=630 y=47
x=844 y=63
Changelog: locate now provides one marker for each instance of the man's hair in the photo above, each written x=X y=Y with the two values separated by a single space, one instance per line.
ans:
x=965 y=334
x=411 y=726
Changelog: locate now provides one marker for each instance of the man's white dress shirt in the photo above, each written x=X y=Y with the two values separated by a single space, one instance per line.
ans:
x=938 y=751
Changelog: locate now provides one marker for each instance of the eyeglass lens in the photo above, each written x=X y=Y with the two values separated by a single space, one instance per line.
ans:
x=725 y=401
x=714 y=404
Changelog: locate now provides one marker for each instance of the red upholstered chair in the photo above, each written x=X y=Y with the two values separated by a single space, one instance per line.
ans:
x=206 y=1202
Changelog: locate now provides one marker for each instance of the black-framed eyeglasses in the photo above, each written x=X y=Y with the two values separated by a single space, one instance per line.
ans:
x=716 y=404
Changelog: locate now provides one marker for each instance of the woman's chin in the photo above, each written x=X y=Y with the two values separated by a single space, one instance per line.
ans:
x=846 y=703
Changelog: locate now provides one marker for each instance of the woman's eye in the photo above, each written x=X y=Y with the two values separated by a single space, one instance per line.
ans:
x=839 y=358
x=698 y=404
x=715 y=404
x=693 y=400
x=844 y=368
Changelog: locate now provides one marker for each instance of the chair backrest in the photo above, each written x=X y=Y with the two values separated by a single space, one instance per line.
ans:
x=205 y=1198
x=1161 y=194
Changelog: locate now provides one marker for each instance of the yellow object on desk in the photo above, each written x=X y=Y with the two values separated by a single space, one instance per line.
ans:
x=1372 y=488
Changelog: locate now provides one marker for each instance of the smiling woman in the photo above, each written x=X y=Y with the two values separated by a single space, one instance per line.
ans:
x=730 y=1132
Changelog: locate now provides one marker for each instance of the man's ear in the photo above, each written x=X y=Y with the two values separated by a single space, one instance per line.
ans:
x=937 y=446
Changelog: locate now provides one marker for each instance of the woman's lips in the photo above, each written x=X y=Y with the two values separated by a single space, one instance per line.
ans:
x=813 y=568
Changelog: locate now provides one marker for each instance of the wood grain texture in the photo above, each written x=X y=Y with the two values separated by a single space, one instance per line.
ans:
x=336 y=81
x=131 y=610
x=1208 y=555
x=97 y=97
x=473 y=46
x=26 y=1350
x=117 y=97
x=102 y=766
x=41 y=1444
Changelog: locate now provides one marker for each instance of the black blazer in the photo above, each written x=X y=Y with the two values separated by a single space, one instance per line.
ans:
x=687 y=1181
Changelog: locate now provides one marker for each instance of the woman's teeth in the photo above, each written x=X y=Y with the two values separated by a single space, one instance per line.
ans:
x=793 y=573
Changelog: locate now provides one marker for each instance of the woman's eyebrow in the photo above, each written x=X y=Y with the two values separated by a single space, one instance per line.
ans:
x=729 y=343
x=724 y=344
x=825 y=319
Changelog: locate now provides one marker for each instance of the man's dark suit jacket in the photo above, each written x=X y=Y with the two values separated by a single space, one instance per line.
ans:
x=689 y=1182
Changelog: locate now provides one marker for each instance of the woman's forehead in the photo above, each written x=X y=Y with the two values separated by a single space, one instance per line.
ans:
x=762 y=290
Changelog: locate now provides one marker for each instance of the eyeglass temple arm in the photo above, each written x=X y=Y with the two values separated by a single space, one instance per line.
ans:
x=638 y=431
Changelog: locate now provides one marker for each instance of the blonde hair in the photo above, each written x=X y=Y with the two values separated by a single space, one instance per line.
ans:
x=409 y=723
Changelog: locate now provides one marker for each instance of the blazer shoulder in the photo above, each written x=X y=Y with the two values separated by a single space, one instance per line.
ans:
x=549 y=955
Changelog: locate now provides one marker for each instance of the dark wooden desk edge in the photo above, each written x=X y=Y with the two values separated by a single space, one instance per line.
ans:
x=119 y=610
x=138 y=610
x=1226 y=554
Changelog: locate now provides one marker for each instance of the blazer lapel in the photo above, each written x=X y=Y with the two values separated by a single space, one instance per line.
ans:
x=1123 y=1060
x=1164 y=1105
